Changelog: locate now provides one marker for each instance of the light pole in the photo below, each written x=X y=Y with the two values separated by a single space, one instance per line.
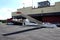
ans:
x=23 y=5
x=32 y=3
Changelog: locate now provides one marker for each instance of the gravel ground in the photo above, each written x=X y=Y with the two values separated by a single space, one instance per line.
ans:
x=39 y=34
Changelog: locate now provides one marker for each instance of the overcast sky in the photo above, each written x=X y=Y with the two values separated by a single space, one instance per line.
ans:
x=8 y=6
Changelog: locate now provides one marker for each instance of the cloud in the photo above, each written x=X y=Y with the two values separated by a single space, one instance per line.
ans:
x=6 y=13
x=13 y=5
x=28 y=3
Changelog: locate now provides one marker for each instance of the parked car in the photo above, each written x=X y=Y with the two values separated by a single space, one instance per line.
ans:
x=58 y=24
x=27 y=22
x=48 y=25
x=10 y=23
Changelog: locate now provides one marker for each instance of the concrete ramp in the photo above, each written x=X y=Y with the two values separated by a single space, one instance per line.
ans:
x=31 y=19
